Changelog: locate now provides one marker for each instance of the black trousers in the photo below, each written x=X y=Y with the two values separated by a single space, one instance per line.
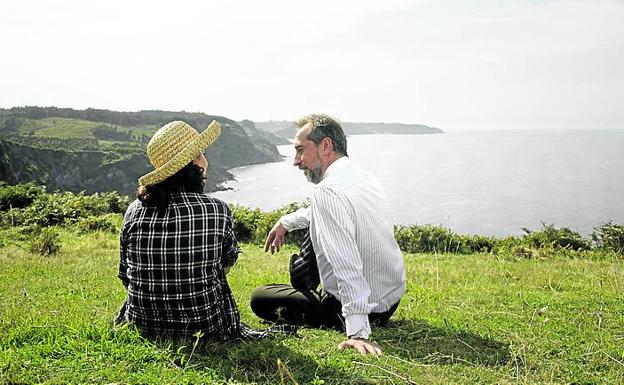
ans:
x=281 y=303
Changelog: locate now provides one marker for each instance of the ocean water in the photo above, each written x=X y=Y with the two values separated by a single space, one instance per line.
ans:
x=490 y=182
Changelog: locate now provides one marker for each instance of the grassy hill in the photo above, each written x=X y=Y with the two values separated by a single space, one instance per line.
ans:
x=465 y=319
x=547 y=310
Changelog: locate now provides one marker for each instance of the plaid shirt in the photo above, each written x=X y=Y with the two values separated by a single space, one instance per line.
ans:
x=172 y=266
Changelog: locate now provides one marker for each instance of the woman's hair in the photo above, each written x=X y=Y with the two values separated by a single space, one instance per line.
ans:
x=190 y=178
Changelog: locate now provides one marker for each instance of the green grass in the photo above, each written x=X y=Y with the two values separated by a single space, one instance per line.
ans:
x=65 y=128
x=464 y=319
x=60 y=127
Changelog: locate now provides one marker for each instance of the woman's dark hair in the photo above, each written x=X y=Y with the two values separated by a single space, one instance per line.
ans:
x=190 y=178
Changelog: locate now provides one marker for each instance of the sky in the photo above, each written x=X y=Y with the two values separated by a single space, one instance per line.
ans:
x=548 y=64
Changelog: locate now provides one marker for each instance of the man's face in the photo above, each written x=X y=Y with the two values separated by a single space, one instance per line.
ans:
x=307 y=156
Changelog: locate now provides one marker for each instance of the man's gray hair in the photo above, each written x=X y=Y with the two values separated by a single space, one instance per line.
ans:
x=324 y=126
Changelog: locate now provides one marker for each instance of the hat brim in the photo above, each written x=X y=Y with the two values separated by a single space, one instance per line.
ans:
x=184 y=157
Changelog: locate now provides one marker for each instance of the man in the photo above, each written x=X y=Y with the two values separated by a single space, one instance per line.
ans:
x=360 y=264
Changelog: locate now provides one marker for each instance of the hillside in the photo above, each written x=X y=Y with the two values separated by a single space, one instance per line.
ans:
x=285 y=129
x=253 y=132
x=102 y=150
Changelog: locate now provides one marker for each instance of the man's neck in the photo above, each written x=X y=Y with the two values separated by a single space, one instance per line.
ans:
x=330 y=160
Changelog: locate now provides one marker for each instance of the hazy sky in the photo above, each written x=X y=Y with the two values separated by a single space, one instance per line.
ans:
x=449 y=64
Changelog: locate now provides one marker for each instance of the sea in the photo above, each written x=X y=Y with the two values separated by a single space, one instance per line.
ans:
x=488 y=182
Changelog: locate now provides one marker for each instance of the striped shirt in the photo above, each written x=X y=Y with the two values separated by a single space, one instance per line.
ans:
x=359 y=260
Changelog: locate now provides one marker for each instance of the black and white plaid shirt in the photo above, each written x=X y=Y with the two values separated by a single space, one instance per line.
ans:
x=172 y=266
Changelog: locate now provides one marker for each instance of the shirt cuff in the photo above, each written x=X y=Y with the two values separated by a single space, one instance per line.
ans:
x=231 y=257
x=357 y=326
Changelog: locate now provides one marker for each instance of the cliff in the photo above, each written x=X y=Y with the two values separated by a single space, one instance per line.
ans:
x=63 y=152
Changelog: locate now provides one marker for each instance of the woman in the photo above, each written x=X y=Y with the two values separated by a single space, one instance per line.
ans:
x=177 y=245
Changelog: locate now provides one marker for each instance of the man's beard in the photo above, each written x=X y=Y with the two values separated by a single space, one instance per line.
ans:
x=314 y=175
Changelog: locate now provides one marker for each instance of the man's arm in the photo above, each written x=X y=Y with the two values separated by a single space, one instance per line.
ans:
x=335 y=232
x=300 y=219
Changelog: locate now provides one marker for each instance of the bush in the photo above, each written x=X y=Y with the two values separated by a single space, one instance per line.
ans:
x=436 y=239
x=96 y=223
x=67 y=208
x=253 y=225
x=18 y=196
x=511 y=244
x=45 y=242
x=554 y=238
x=478 y=243
x=114 y=202
x=610 y=237
x=245 y=221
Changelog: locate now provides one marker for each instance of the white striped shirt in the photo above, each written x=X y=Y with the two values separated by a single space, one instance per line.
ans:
x=351 y=231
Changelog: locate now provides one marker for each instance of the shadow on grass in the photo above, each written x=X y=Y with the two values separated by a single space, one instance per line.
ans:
x=257 y=362
x=417 y=340
x=411 y=340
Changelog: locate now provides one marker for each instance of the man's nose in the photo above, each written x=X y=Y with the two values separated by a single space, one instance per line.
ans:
x=296 y=161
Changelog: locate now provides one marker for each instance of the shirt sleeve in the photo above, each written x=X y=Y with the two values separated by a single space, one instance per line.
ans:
x=300 y=219
x=123 y=258
x=230 y=249
x=123 y=264
x=335 y=233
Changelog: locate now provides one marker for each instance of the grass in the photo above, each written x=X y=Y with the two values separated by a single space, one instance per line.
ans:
x=464 y=319
x=64 y=128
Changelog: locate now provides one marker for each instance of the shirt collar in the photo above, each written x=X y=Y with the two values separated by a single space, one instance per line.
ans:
x=337 y=166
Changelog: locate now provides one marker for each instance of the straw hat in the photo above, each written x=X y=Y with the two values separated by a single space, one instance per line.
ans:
x=174 y=146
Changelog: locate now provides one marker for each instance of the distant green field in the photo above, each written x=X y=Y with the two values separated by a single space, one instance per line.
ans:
x=74 y=128
x=464 y=319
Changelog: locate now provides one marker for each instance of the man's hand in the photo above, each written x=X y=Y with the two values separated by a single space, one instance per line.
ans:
x=361 y=345
x=275 y=239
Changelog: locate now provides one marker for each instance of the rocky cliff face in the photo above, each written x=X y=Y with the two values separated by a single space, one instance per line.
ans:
x=69 y=170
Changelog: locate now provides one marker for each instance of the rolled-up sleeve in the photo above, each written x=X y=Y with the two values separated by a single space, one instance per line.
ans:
x=297 y=220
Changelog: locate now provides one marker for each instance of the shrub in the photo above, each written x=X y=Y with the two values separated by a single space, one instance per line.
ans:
x=245 y=221
x=609 y=236
x=67 y=208
x=115 y=203
x=96 y=223
x=18 y=196
x=430 y=239
x=45 y=242
x=478 y=243
x=264 y=225
x=509 y=244
x=253 y=225
x=554 y=238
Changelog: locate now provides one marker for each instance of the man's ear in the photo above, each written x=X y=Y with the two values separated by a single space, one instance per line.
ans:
x=327 y=145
